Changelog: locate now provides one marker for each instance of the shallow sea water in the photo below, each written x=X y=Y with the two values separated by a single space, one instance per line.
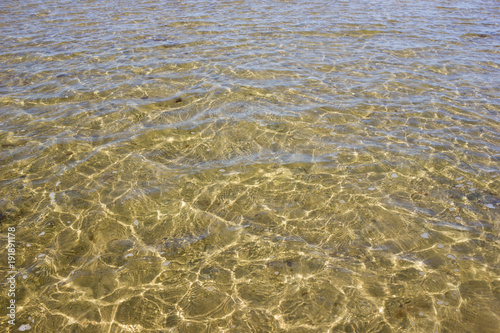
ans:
x=251 y=166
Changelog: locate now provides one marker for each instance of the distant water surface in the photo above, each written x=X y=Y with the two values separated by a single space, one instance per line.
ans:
x=251 y=166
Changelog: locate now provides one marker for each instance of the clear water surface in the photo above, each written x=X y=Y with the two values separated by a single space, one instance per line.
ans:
x=251 y=166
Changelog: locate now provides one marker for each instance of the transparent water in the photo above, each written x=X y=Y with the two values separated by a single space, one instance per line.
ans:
x=251 y=166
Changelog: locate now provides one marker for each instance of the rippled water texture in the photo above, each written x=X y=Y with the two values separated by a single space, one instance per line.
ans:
x=251 y=166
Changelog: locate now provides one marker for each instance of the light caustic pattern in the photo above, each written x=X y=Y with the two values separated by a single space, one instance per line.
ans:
x=251 y=166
